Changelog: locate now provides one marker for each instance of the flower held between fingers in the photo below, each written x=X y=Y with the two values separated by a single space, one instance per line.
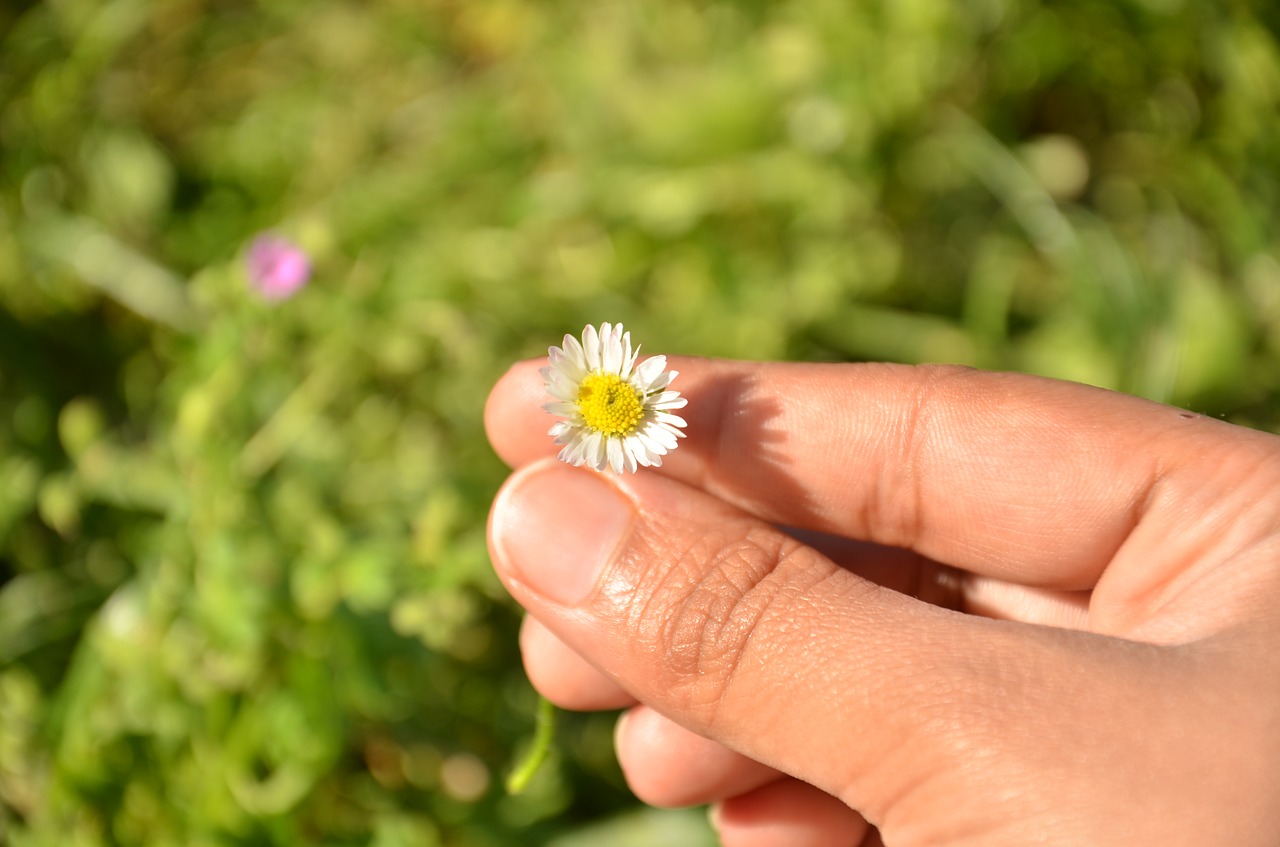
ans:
x=616 y=414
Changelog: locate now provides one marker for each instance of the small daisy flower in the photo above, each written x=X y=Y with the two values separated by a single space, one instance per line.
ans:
x=616 y=414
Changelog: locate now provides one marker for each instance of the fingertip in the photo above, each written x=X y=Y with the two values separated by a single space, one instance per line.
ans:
x=514 y=402
x=788 y=813
x=562 y=676
x=668 y=766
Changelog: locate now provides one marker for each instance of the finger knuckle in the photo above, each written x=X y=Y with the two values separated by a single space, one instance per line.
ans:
x=730 y=586
x=896 y=509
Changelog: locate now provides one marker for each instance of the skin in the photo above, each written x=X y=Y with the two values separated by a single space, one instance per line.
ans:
x=868 y=604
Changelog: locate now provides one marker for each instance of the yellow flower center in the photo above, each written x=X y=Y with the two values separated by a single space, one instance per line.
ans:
x=609 y=404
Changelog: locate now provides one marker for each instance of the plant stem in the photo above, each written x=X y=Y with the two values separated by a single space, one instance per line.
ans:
x=543 y=735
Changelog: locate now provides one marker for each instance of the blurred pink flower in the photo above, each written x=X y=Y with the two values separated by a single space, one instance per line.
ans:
x=277 y=267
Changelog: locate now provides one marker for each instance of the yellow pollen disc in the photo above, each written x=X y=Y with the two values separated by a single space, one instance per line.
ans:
x=609 y=404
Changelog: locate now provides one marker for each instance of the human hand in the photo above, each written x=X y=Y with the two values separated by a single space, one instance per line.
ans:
x=1094 y=657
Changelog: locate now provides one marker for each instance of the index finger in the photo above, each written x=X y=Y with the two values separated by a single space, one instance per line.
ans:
x=1020 y=477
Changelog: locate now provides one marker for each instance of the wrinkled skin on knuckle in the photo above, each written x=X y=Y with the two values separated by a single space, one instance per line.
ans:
x=704 y=616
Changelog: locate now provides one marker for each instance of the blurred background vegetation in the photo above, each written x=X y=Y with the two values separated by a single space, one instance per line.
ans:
x=244 y=593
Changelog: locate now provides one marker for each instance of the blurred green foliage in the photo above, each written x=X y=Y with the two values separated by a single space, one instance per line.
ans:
x=244 y=593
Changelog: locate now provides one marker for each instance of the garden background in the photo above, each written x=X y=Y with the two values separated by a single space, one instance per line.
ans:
x=244 y=592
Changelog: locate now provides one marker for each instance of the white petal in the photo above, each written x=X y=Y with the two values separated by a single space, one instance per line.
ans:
x=661 y=382
x=560 y=367
x=628 y=356
x=566 y=409
x=593 y=450
x=653 y=451
x=653 y=445
x=565 y=363
x=614 y=449
x=558 y=381
x=619 y=350
x=629 y=454
x=572 y=452
x=610 y=349
x=668 y=418
x=649 y=371
x=638 y=451
x=566 y=455
x=584 y=455
x=562 y=386
x=563 y=390
x=678 y=433
x=641 y=450
x=668 y=400
x=591 y=347
x=662 y=435
x=574 y=353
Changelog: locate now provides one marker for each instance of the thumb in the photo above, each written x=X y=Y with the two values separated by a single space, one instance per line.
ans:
x=744 y=635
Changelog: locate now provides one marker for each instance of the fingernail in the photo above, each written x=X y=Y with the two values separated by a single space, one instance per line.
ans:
x=555 y=529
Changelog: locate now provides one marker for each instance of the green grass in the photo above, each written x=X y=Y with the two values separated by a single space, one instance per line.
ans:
x=244 y=592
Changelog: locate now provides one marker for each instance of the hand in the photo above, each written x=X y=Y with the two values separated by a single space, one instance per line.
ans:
x=1004 y=610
